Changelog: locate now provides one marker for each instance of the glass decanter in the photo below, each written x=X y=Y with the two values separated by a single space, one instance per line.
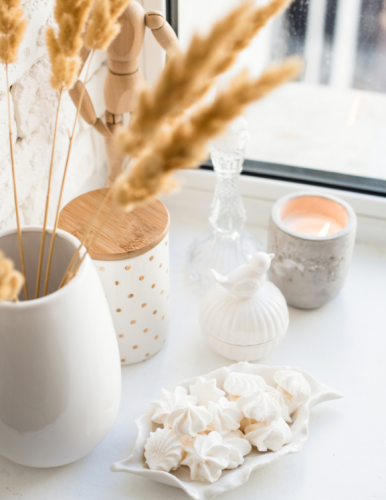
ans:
x=227 y=245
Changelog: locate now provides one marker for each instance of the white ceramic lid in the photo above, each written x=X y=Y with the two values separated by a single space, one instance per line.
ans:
x=249 y=322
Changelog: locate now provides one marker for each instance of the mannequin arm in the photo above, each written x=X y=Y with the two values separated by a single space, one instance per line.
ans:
x=163 y=32
x=87 y=111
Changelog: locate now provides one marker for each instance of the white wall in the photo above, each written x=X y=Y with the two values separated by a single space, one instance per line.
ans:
x=33 y=114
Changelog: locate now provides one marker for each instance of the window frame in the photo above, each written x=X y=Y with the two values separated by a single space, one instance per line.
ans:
x=295 y=174
x=171 y=7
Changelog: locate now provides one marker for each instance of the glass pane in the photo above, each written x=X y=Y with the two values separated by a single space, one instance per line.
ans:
x=334 y=118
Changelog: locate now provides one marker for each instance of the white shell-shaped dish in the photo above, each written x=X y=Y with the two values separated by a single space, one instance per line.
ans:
x=256 y=320
x=230 y=479
x=243 y=352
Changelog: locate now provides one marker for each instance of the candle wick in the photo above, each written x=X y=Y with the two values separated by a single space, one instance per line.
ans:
x=324 y=230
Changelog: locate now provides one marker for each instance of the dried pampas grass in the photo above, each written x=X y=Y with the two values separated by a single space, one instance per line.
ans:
x=12 y=29
x=101 y=30
x=11 y=281
x=188 y=77
x=258 y=18
x=103 y=26
x=64 y=48
x=184 y=144
x=65 y=45
x=165 y=133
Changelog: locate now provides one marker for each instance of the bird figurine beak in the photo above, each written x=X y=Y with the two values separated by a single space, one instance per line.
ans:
x=271 y=256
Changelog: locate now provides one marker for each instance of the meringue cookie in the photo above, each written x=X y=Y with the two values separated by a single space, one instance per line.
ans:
x=269 y=437
x=245 y=421
x=207 y=457
x=260 y=406
x=243 y=384
x=238 y=446
x=169 y=402
x=287 y=407
x=186 y=441
x=227 y=403
x=226 y=417
x=189 y=420
x=205 y=391
x=293 y=385
x=163 y=450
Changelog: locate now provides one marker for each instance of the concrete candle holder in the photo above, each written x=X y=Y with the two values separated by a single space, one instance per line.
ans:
x=312 y=236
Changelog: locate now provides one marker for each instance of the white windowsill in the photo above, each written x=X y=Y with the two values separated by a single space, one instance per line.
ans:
x=342 y=344
x=260 y=194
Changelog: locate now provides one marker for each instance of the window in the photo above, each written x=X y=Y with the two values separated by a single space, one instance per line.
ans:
x=329 y=128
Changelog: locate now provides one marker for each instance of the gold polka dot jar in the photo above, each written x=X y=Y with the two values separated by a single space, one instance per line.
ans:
x=131 y=255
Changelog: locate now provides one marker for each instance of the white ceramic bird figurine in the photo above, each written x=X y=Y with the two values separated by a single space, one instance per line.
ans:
x=246 y=280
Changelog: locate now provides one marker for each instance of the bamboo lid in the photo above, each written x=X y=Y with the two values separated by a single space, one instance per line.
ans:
x=125 y=235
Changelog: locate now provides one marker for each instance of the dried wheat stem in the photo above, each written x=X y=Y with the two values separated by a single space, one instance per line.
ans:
x=103 y=26
x=19 y=236
x=88 y=230
x=43 y=237
x=97 y=210
x=72 y=274
x=183 y=144
x=187 y=77
x=50 y=254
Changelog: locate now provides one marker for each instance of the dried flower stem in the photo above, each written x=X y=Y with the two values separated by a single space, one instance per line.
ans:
x=183 y=144
x=43 y=237
x=65 y=44
x=19 y=236
x=162 y=145
x=103 y=26
x=69 y=271
x=71 y=274
x=184 y=81
x=50 y=254
x=188 y=77
x=12 y=29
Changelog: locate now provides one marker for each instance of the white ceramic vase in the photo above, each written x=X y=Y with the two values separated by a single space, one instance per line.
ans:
x=60 y=380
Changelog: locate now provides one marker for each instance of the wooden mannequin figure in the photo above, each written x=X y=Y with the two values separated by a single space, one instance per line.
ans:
x=124 y=76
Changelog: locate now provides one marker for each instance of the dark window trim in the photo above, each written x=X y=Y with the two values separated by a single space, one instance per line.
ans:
x=287 y=173
x=309 y=176
x=172 y=14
